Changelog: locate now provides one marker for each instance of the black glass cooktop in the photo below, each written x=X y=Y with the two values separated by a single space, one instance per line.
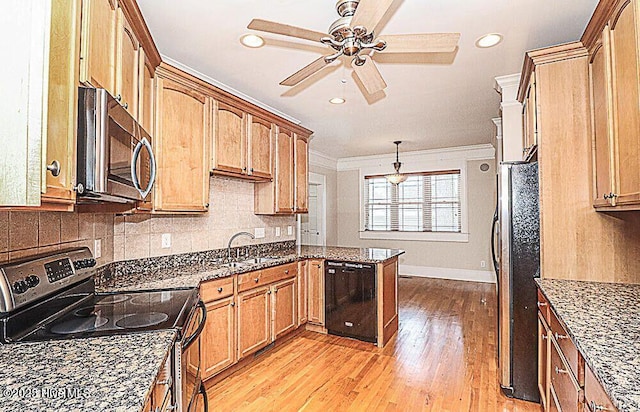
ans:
x=78 y=315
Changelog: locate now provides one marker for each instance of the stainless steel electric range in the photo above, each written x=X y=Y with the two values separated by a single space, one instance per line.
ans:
x=53 y=296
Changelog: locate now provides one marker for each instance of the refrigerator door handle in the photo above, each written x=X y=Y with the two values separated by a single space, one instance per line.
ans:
x=494 y=238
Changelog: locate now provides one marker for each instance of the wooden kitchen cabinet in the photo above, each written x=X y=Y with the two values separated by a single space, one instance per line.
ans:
x=303 y=292
x=615 y=106
x=544 y=365
x=229 y=142
x=98 y=47
x=146 y=93
x=127 y=65
x=254 y=320
x=284 y=307
x=316 y=292
x=218 y=339
x=182 y=138
x=301 y=174
x=529 y=119
x=277 y=197
x=595 y=397
x=260 y=147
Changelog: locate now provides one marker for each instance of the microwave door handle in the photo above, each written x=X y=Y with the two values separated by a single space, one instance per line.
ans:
x=134 y=167
x=189 y=340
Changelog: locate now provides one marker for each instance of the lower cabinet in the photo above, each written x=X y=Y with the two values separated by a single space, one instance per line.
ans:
x=316 y=292
x=160 y=398
x=544 y=364
x=254 y=320
x=303 y=292
x=218 y=337
x=284 y=307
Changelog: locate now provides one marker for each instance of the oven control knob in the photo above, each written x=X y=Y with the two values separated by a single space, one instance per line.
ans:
x=90 y=262
x=32 y=281
x=20 y=287
x=77 y=264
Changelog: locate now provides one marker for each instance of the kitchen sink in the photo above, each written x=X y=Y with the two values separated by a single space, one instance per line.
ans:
x=248 y=262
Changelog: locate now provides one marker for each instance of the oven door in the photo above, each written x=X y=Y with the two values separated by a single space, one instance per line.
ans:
x=191 y=384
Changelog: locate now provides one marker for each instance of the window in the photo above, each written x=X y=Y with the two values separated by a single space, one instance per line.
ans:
x=425 y=202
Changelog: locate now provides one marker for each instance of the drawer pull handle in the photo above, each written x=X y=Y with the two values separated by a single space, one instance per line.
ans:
x=286 y=272
x=595 y=407
x=219 y=290
x=558 y=337
x=541 y=304
x=233 y=304
x=544 y=337
x=167 y=381
x=559 y=371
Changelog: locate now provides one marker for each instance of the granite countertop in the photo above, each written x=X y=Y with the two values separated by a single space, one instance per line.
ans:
x=191 y=275
x=603 y=319
x=110 y=373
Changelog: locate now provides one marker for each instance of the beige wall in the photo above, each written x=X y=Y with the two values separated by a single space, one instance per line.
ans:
x=230 y=211
x=331 y=194
x=28 y=233
x=481 y=197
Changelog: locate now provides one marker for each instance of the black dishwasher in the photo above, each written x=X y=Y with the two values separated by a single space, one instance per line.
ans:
x=350 y=300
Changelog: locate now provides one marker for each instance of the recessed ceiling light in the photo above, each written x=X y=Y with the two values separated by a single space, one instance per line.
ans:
x=337 y=100
x=489 y=40
x=252 y=40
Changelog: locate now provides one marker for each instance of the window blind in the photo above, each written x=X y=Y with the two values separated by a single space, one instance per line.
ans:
x=425 y=202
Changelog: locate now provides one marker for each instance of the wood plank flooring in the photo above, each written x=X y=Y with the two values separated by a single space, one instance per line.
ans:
x=444 y=358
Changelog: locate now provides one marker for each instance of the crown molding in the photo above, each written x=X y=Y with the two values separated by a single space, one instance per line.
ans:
x=322 y=160
x=227 y=89
x=475 y=152
x=507 y=87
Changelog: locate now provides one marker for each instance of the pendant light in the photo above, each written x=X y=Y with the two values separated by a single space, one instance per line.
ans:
x=397 y=177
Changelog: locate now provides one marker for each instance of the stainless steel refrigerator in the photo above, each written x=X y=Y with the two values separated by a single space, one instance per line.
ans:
x=516 y=247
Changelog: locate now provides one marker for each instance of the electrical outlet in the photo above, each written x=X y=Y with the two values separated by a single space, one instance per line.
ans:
x=166 y=240
x=278 y=231
x=290 y=230
x=259 y=233
x=97 y=248
x=483 y=264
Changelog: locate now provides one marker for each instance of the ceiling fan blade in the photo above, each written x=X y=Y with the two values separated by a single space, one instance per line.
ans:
x=285 y=29
x=369 y=13
x=369 y=75
x=421 y=43
x=305 y=72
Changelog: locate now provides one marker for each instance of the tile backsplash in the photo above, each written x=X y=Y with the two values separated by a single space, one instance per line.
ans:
x=230 y=211
x=28 y=233
x=140 y=236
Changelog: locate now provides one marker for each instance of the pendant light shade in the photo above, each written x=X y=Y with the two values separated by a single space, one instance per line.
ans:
x=397 y=177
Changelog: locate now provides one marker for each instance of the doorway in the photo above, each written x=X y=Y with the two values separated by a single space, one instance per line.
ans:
x=312 y=226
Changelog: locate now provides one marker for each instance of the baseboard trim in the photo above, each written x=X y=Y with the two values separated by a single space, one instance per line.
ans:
x=467 y=275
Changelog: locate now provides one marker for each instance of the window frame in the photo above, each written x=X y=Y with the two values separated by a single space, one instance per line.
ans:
x=441 y=166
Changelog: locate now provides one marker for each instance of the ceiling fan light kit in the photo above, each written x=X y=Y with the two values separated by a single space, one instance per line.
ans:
x=352 y=35
x=397 y=177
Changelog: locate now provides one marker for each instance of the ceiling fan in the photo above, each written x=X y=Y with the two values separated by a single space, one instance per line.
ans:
x=353 y=35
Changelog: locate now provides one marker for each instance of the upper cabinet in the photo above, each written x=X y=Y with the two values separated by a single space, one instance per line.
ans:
x=615 y=105
x=182 y=138
x=260 y=147
x=127 y=65
x=301 y=174
x=98 y=52
x=230 y=137
x=529 y=119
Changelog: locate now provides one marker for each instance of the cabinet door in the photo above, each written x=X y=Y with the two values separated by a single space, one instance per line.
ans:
x=529 y=134
x=229 y=140
x=62 y=110
x=626 y=83
x=284 y=171
x=316 y=292
x=146 y=93
x=284 y=307
x=544 y=365
x=254 y=320
x=601 y=119
x=181 y=141
x=218 y=341
x=260 y=151
x=98 y=45
x=303 y=292
x=302 y=174
x=127 y=61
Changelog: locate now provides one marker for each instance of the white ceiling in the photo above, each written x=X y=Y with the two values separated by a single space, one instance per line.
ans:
x=430 y=102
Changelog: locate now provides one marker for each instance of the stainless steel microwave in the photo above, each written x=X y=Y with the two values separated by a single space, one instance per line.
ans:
x=115 y=156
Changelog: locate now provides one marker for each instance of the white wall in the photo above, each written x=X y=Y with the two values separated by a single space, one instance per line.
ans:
x=326 y=166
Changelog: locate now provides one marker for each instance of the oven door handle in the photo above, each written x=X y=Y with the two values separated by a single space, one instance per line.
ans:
x=189 y=340
x=134 y=167
x=205 y=399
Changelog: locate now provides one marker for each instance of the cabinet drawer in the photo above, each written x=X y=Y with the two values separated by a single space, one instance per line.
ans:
x=569 y=350
x=216 y=289
x=543 y=306
x=568 y=393
x=250 y=280
x=277 y=273
x=594 y=395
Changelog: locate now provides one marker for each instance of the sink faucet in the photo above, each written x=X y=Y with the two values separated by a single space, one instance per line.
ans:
x=233 y=238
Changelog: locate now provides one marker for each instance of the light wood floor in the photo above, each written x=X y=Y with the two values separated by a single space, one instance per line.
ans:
x=442 y=359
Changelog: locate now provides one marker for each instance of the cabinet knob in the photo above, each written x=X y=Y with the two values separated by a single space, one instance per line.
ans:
x=233 y=304
x=244 y=169
x=269 y=292
x=541 y=304
x=286 y=272
x=595 y=407
x=256 y=280
x=126 y=105
x=119 y=97
x=219 y=290
x=544 y=337
x=559 y=371
x=54 y=168
x=168 y=381
x=558 y=337
x=275 y=290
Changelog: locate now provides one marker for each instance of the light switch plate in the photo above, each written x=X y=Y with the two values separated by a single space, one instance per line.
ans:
x=259 y=232
x=166 y=240
x=97 y=248
x=278 y=231
x=290 y=230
